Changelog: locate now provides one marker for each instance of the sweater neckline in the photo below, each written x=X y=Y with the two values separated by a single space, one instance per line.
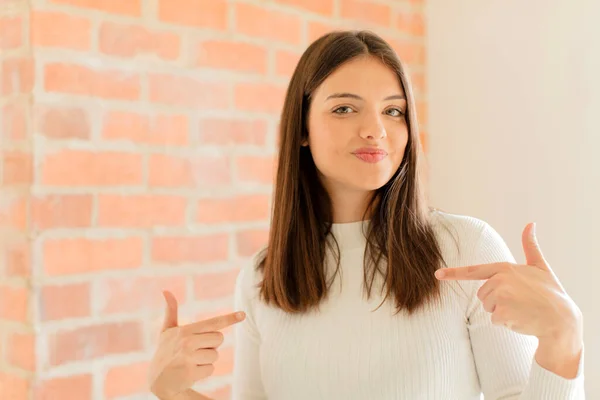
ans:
x=350 y=234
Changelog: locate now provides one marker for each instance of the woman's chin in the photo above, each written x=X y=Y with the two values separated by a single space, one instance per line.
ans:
x=370 y=184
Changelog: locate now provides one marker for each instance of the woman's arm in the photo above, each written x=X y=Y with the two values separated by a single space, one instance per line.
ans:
x=508 y=363
x=247 y=380
x=561 y=355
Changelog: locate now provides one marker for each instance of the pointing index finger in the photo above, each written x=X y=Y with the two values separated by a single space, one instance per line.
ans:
x=472 y=272
x=215 y=323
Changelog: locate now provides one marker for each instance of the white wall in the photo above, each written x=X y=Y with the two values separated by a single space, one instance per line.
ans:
x=514 y=100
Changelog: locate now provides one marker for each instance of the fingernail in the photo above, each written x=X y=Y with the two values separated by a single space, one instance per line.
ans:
x=439 y=273
x=240 y=316
x=533 y=229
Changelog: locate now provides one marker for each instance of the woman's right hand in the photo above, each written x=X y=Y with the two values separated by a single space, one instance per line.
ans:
x=186 y=354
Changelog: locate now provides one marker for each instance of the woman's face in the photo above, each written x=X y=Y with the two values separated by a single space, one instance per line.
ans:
x=360 y=108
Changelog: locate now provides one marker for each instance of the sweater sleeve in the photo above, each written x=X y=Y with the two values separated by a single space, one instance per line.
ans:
x=505 y=360
x=247 y=382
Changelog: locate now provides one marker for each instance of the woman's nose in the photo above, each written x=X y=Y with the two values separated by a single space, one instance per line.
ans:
x=373 y=129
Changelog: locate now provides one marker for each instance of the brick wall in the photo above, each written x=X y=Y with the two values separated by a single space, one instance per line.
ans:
x=137 y=144
x=17 y=339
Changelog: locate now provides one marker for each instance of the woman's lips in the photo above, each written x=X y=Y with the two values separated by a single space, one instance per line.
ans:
x=370 y=156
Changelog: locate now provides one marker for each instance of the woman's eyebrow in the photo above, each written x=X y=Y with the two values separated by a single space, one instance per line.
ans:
x=357 y=97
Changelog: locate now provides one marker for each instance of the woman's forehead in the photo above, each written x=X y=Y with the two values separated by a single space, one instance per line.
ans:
x=366 y=77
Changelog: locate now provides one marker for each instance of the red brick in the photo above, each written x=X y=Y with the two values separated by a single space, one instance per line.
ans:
x=131 y=40
x=141 y=211
x=184 y=91
x=13 y=212
x=197 y=249
x=56 y=29
x=233 y=209
x=87 y=168
x=95 y=341
x=254 y=20
x=125 y=380
x=17 y=76
x=211 y=14
x=229 y=132
x=262 y=97
x=11 y=33
x=14 y=387
x=411 y=23
x=14 y=305
x=286 y=62
x=68 y=388
x=14 y=122
x=214 y=286
x=17 y=258
x=172 y=171
x=123 y=7
x=411 y=53
x=17 y=168
x=162 y=130
x=61 y=211
x=56 y=301
x=20 y=349
x=249 y=242
x=365 y=11
x=169 y=130
x=78 y=256
x=77 y=79
x=235 y=56
x=318 y=29
x=124 y=295
x=62 y=122
x=125 y=125
x=258 y=169
x=323 y=7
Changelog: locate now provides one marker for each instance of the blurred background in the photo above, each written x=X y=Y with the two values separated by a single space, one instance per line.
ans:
x=137 y=146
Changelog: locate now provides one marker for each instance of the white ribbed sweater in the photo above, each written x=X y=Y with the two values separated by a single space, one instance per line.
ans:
x=347 y=351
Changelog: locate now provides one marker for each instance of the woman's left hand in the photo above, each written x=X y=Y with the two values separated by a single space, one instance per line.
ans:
x=527 y=299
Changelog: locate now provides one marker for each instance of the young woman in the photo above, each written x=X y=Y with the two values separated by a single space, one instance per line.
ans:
x=344 y=302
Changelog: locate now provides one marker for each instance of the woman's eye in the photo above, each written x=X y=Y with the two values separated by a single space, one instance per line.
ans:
x=397 y=112
x=337 y=110
x=394 y=112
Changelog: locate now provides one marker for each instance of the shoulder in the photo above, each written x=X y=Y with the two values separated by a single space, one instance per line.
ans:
x=463 y=227
x=249 y=278
x=477 y=239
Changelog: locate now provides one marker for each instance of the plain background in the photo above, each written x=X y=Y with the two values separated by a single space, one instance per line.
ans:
x=514 y=94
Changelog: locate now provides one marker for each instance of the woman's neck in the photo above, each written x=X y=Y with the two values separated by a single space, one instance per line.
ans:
x=351 y=207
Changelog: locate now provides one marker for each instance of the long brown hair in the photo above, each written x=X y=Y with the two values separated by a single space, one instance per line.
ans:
x=399 y=232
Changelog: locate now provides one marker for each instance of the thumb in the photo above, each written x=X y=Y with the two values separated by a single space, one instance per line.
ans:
x=533 y=252
x=170 y=320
